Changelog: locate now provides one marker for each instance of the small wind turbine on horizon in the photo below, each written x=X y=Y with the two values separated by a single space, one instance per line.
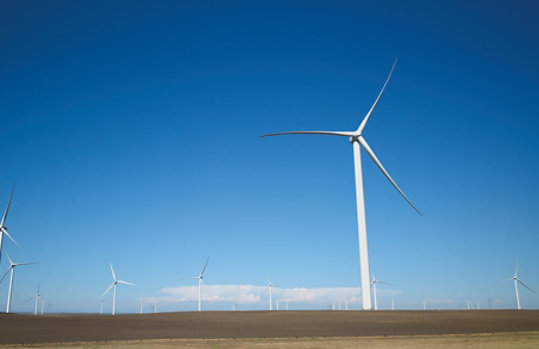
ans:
x=43 y=302
x=114 y=284
x=37 y=297
x=11 y=269
x=516 y=281
x=270 y=287
x=358 y=141
x=374 y=282
x=200 y=279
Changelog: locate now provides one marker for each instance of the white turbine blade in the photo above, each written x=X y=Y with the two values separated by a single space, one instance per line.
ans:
x=523 y=284
x=4 y=230
x=205 y=265
x=264 y=291
x=5 y=273
x=7 y=207
x=327 y=133
x=108 y=289
x=9 y=258
x=126 y=283
x=379 y=164
x=385 y=283
x=30 y=263
x=366 y=118
x=516 y=269
x=269 y=281
x=112 y=270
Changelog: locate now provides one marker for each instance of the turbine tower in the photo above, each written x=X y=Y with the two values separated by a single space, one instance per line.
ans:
x=11 y=269
x=516 y=281
x=114 y=284
x=200 y=279
x=3 y=228
x=358 y=141
x=374 y=282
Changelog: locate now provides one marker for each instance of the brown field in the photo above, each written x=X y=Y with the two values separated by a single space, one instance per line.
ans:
x=285 y=326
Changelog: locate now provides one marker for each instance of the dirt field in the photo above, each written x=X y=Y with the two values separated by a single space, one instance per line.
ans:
x=18 y=329
x=468 y=341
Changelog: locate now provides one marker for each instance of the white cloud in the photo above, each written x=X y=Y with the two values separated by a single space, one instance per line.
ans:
x=252 y=295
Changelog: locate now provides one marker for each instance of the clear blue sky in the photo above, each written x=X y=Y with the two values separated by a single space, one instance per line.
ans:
x=131 y=132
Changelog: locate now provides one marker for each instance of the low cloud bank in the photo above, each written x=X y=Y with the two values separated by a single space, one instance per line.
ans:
x=252 y=295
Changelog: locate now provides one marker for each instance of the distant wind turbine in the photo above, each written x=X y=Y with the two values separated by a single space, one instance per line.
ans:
x=357 y=140
x=101 y=306
x=200 y=279
x=516 y=281
x=114 y=284
x=374 y=282
x=270 y=287
x=43 y=302
x=37 y=296
x=11 y=269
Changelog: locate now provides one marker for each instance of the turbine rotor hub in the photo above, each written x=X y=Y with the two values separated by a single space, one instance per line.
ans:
x=354 y=138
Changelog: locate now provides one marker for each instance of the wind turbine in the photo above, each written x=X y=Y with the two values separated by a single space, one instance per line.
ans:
x=11 y=269
x=101 y=306
x=516 y=281
x=43 y=302
x=374 y=282
x=114 y=284
x=270 y=286
x=37 y=296
x=200 y=278
x=358 y=141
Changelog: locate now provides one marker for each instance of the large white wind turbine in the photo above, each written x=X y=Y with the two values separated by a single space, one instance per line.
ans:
x=374 y=282
x=200 y=279
x=114 y=284
x=11 y=269
x=358 y=141
x=516 y=281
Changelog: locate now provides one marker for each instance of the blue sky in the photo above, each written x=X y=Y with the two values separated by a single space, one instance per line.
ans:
x=131 y=132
